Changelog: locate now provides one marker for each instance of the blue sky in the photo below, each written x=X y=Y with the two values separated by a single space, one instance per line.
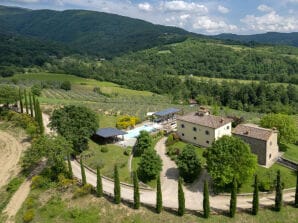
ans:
x=200 y=16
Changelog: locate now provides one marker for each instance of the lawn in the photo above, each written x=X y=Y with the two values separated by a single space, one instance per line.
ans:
x=291 y=153
x=57 y=206
x=94 y=157
x=107 y=120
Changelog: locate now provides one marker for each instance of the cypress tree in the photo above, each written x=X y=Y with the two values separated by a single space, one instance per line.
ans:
x=255 y=201
x=158 y=196
x=117 y=190
x=278 y=192
x=296 y=194
x=136 y=192
x=21 y=101
x=206 y=204
x=181 y=199
x=26 y=102
x=84 y=181
x=99 y=191
x=31 y=106
x=38 y=116
x=233 y=201
x=69 y=167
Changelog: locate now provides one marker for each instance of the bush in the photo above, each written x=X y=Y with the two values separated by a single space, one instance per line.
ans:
x=82 y=191
x=36 y=90
x=28 y=215
x=173 y=152
x=104 y=149
x=127 y=121
x=66 y=85
x=39 y=182
x=127 y=152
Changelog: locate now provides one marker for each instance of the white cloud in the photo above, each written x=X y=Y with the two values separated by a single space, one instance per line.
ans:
x=145 y=7
x=271 y=22
x=184 y=6
x=211 y=25
x=264 y=8
x=25 y=1
x=223 y=9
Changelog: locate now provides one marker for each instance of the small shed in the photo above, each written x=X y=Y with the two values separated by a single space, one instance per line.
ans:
x=109 y=135
x=166 y=115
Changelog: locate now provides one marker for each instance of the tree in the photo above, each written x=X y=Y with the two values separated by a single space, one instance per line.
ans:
x=99 y=191
x=255 y=201
x=158 y=196
x=31 y=105
x=188 y=164
x=285 y=125
x=296 y=194
x=36 y=90
x=70 y=173
x=181 y=199
x=150 y=165
x=278 y=192
x=21 y=101
x=76 y=124
x=230 y=157
x=233 y=201
x=8 y=95
x=117 y=190
x=144 y=142
x=38 y=116
x=136 y=194
x=26 y=102
x=84 y=180
x=66 y=85
x=206 y=204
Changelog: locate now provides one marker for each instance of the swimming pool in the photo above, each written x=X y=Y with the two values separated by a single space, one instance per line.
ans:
x=136 y=132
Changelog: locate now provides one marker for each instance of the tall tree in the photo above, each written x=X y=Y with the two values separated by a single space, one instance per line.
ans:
x=70 y=173
x=21 y=101
x=206 y=204
x=31 y=105
x=158 y=196
x=136 y=194
x=26 y=102
x=233 y=201
x=99 y=191
x=8 y=95
x=117 y=189
x=144 y=142
x=38 y=116
x=296 y=194
x=181 y=199
x=84 y=180
x=255 y=201
x=278 y=192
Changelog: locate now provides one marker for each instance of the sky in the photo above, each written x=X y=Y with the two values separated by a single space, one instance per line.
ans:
x=201 y=16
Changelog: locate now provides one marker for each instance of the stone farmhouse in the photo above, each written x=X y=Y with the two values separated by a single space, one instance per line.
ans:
x=263 y=142
x=201 y=128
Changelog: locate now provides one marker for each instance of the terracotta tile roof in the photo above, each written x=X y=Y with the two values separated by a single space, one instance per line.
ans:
x=205 y=120
x=253 y=131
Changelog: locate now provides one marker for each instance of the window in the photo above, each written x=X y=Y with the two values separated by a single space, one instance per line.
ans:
x=270 y=156
x=228 y=127
x=182 y=134
x=182 y=126
x=194 y=129
x=207 y=132
x=195 y=138
x=207 y=142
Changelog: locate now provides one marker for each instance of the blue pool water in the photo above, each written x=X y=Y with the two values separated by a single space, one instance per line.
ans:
x=136 y=132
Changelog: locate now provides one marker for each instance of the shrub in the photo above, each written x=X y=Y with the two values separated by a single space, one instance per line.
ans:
x=82 y=191
x=104 y=149
x=66 y=85
x=28 y=215
x=36 y=90
x=127 y=152
x=127 y=121
x=39 y=182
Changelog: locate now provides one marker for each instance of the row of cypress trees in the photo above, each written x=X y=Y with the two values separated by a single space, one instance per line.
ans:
x=181 y=198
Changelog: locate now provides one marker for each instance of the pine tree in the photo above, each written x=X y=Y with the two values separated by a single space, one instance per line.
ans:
x=233 y=201
x=99 y=191
x=296 y=194
x=26 y=102
x=255 y=201
x=136 y=195
x=181 y=199
x=70 y=173
x=158 y=196
x=84 y=181
x=117 y=192
x=21 y=101
x=278 y=192
x=206 y=204
x=31 y=106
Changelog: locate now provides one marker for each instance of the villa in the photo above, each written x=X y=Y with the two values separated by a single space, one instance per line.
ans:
x=201 y=128
x=263 y=142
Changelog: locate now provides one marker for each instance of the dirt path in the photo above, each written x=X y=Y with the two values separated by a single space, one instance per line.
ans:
x=46 y=121
x=10 y=150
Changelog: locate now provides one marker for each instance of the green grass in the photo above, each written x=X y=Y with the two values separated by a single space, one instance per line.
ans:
x=94 y=157
x=291 y=153
x=56 y=206
x=107 y=120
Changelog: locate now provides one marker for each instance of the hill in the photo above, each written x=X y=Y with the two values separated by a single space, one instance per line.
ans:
x=290 y=39
x=96 y=33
